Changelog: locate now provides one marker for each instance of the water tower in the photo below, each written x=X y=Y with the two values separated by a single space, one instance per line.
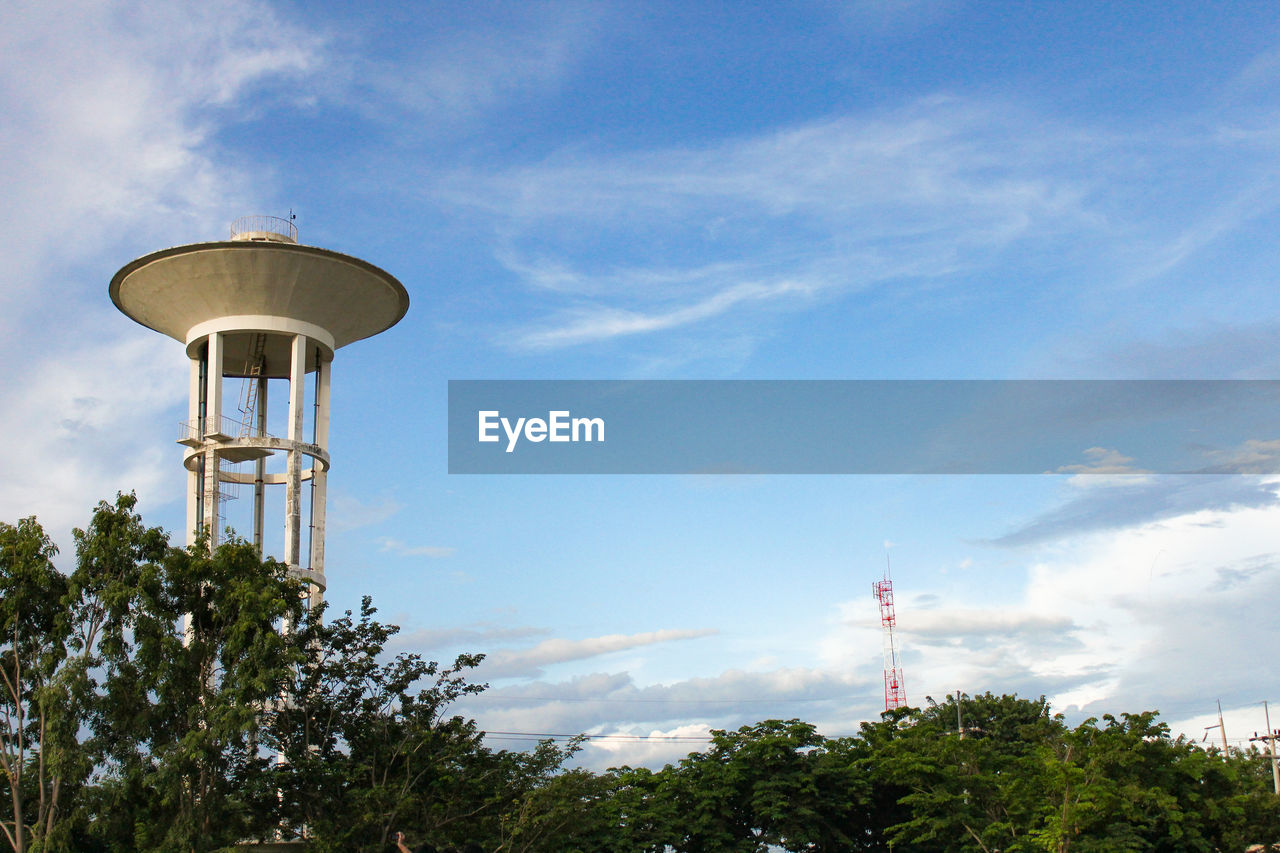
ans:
x=255 y=308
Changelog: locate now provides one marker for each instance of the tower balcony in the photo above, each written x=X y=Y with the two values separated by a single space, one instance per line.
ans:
x=224 y=431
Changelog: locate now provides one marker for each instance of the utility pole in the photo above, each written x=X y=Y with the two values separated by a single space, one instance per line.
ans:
x=1222 y=726
x=959 y=720
x=1270 y=738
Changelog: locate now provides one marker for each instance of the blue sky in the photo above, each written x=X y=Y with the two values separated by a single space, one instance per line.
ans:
x=807 y=190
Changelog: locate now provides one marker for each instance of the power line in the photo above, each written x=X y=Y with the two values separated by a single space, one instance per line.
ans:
x=488 y=697
x=555 y=736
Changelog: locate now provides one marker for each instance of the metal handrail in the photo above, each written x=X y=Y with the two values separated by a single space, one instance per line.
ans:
x=258 y=224
x=192 y=429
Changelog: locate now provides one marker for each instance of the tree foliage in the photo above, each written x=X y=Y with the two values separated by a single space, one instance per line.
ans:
x=150 y=700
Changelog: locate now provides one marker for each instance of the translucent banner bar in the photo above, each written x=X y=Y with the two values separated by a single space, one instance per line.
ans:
x=1088 y=427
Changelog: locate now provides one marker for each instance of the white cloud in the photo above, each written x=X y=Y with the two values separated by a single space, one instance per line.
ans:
x=639 y=748
x=1167 y=254
x=1163 y=614
x=928 y=162
x=90 y=422
x=970 y=624
x=109 y=109
x=110 y=112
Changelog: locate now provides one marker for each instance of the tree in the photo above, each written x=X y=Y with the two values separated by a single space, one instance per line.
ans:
x=971 y=793
x=367 y=746
x=33 y=637
x=777 y=783
x=55 y=625
x=1126 y=785
x=180 y=711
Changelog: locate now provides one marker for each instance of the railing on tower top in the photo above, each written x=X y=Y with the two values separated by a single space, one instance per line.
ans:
x=263 y=227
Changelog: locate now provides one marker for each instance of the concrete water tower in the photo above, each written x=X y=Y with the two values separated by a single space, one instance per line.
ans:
x=259 y=307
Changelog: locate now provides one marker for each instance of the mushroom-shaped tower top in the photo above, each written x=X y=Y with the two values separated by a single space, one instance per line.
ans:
x=259 y=279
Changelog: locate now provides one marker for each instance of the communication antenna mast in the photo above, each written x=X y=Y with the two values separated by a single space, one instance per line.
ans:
x=895 y=693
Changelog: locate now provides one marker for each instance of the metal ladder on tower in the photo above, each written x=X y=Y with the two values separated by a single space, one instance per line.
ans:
x=249 y=390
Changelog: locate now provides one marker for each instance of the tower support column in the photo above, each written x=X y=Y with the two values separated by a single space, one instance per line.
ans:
x=319 y=476
x=260 y=468
x=293 y=468
x=194 y=429
x=212 y=429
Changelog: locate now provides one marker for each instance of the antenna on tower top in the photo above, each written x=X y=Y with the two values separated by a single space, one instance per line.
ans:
x=895 y=692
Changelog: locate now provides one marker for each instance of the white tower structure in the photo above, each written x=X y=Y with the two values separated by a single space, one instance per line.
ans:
x=259 y=307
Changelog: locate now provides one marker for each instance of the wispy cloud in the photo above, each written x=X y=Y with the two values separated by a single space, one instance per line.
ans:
x=1254 y=456
x=530 y=662
x=1210 y=350
x=459 y=75
x=348 y=512
x=471 y=638
x=929 y=194
x=591 y=324
x=1169 y=253
x=830 y=206
x=395 y=546
x=1148 y=500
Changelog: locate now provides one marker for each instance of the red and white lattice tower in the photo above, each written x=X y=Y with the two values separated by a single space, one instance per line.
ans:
x=895 y=693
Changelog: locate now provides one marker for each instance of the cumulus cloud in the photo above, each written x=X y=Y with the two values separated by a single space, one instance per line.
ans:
x=652 y=748
x=1103 y=461
x=1165 y=614
x=972 y=626
x=613 y=704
